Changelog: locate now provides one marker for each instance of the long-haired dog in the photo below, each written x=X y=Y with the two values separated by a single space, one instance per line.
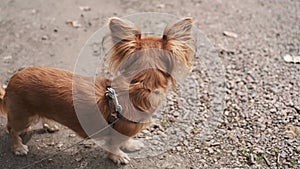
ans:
x=146 y=67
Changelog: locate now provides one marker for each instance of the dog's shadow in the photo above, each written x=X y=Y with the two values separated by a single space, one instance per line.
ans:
x=51 y=150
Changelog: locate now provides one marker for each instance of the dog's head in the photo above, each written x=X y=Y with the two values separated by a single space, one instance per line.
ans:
x=151 y=62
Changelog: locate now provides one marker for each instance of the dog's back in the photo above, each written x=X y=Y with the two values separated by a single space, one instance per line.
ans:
x=47 y=92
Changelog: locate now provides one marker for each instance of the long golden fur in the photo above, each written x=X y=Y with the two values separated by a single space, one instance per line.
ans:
x=146 y=67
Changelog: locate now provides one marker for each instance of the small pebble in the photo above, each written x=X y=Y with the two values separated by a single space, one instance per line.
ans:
x=72 y=135
x=273 y=110
x=33 y=11
x=155 y=142
x=234 y=153
x=185 y=142
x=59 y=145
x=78 y=159
x=45 y=37
x=146 y=132
x=51 y=144
x=178 y=148
x=210 y=150
x=176 y=114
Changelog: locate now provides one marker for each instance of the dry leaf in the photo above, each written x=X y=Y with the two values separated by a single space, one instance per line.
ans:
x=230 y=34
x=292 y=131
x=7 y=58
x=75 y=24
x=291 y=59
x=160 y=6
x=85 y=8
x=293 y=128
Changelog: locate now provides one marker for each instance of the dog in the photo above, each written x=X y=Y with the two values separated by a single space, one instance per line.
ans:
x=145 y=68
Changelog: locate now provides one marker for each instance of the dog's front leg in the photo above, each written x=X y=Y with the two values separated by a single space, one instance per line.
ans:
x=114 y=152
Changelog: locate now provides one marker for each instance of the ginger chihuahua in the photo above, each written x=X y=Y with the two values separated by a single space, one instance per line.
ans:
x=146 y=67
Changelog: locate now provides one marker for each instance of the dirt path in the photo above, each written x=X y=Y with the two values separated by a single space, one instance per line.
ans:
x=262 y=91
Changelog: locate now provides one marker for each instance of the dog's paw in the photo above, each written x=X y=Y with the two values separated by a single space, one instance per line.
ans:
x=21 y=149
x=120 y=158
x=51 y=128
x=133 y=145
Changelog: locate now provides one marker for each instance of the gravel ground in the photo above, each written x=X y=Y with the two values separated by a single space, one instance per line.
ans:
x=258 y=126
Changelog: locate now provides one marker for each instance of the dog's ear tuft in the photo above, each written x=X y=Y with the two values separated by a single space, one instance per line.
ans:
x=180 y=31
x=123 y=30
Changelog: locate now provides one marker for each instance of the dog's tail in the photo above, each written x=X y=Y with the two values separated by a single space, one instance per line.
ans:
x=2 y=106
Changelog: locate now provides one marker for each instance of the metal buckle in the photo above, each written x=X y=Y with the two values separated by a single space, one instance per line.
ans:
x=113 y=95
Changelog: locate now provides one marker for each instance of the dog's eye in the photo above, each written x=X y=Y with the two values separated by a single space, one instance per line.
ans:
x=156 y=91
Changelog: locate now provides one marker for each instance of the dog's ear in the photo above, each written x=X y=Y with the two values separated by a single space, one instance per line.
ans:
x=123 y=30
x=125 y=37
x=177 y=39
x=179 y=31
